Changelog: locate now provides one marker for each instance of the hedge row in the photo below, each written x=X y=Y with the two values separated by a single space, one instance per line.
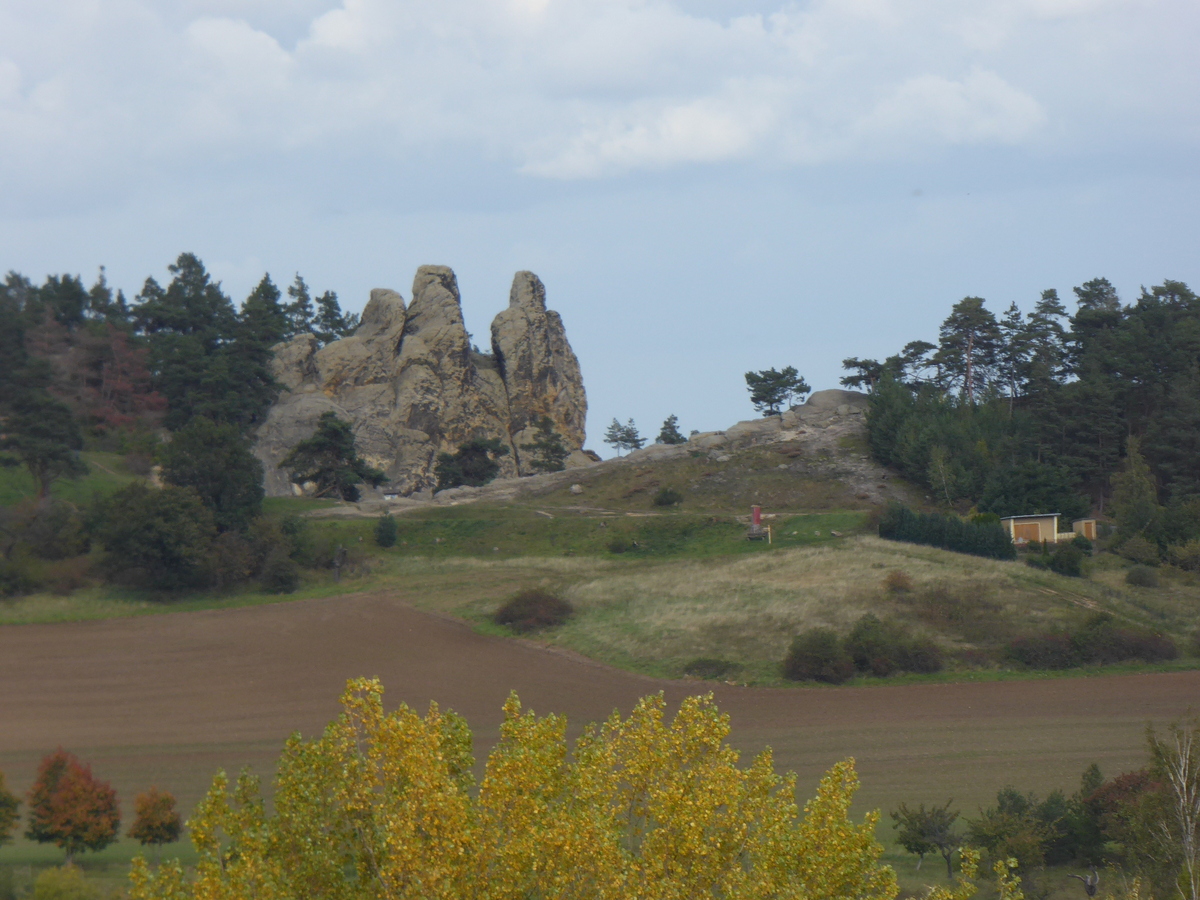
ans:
x=873 y=646
x=1099 y=641
x=899 y=523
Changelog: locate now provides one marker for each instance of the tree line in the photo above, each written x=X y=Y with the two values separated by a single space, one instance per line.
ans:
x=86 y=367
x=1038 y=411
x=1144 y=824
x=71 y=808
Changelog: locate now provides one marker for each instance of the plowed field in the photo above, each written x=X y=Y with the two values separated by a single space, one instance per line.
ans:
x=170 y=698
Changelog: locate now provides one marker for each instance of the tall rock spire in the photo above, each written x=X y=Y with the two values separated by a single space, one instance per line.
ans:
x=412 y=386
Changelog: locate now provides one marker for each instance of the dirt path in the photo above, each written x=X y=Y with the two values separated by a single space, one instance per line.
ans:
x=170 y=698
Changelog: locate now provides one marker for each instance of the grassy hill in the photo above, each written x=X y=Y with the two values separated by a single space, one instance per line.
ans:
x=656 y=589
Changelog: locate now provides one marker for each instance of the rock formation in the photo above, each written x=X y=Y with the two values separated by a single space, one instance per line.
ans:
x=412 y=386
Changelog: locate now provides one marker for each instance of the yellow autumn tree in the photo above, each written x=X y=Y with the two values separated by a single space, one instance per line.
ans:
x=383 y=805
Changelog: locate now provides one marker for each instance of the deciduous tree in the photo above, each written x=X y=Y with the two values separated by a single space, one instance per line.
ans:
x=383 y=804
x=922 y=831
x=156 y=821
x=71 y=808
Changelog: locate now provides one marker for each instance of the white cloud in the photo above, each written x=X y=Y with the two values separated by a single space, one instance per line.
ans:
x=578 y=88
x=932 y=110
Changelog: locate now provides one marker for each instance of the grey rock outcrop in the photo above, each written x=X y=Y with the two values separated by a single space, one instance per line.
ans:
x=412 y=386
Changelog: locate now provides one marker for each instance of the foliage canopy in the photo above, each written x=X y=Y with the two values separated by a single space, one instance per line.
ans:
x=383 y=805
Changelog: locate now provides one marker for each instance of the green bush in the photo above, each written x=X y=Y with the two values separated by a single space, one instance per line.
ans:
x=1098 y=641
x=882 y=648
x=1187 y=556
x=56 y=530
x=667 y=497
x=1142 y=576
x=710 y=667
x=386 y=530
x=985 y=538
x=533 y=610
x=1067 y=559
x=1140 y=550
x=817 y=655
x=1084 y=544
x=66 y=883
x=618 y=545
x=280 y=574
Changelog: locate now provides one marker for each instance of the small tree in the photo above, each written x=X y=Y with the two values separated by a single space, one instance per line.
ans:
x=770 y=390
x=548 y=453
x=42 y=434
x=615 y=436
x=215 y=460
x=8 y=812
x=1176 y=763
x=156 y=821
x=669 y=433
x=157 y=538
x=330 y=460
x=922 y=831
x=624 y=437
x=633 y=440
x=330 y=323
x=1134 y=498
x=71 y=808
x=474 y=465
x=385 y=530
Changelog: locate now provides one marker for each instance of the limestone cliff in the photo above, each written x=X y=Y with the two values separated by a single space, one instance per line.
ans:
x=411 y=385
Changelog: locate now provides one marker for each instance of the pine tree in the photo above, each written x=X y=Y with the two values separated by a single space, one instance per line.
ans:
x=1134 y=499
x=1012 y=352
x=547 y=451
x=330 y=460
x=300 y=310
x=43 y=434
x=630 y=438
x=771 y=390
x=669 y=433
x=331 y=323
x=473 y=465
x=968 y=344
x=615 y=435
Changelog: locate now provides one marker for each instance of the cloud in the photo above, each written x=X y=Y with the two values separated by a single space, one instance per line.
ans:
x=574 y=89
x=933 y=110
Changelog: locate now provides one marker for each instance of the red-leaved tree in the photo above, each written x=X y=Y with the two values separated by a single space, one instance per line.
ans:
x=71 y=808
x=156 y=821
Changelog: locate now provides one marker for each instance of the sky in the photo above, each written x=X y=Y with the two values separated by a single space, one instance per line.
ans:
x=706 y=187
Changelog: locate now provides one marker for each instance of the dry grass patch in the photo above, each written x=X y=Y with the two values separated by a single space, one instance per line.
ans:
x=746 y=610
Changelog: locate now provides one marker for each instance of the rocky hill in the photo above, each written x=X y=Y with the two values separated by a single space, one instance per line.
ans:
x=813 y=457
x=412 y=385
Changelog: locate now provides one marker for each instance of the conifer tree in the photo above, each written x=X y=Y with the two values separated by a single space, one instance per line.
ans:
x=669 y=433
x=300 y=310
x=1134 y=498
x=547 y=451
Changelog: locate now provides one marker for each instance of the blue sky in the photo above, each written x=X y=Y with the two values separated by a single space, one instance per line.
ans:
x=705 y=187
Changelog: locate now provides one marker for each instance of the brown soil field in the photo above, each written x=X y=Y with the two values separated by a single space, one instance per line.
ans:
x=168 y=699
